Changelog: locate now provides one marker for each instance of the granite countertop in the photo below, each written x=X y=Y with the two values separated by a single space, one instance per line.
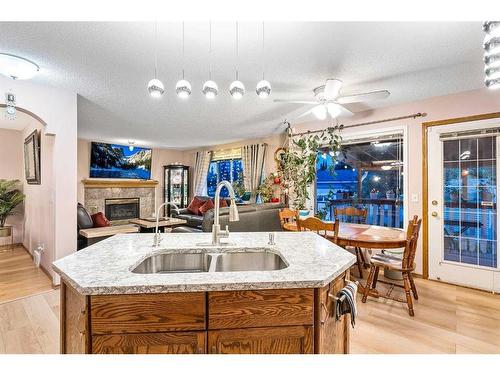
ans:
x=105 y=267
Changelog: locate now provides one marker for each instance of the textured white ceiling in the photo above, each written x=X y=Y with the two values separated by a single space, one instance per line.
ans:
x=109 y=64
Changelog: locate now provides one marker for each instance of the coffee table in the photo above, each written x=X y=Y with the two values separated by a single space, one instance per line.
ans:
x=148 y=226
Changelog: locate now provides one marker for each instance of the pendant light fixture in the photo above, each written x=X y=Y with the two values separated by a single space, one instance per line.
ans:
x=155 y=86
x=492 y=54
x=10 y=106
x=210 y=88
x=263 y=88
x=237 y=88
x=183 y=87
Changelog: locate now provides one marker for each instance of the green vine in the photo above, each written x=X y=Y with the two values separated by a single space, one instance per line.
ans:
x=299 y=161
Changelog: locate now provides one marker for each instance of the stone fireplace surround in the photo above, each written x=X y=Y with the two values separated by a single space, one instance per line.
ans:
x=98 y=190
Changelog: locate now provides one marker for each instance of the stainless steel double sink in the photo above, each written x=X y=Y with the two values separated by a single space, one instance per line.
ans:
x=194 y=262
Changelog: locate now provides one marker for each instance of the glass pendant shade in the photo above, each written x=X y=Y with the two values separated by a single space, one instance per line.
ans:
x=320 y=112
x=492 y=83
x=210 y=89
x=263 y=89
x=492 y=28
x=183 y=88
x=333 y=109
x=491 y=44
x=492 y=61
x=237 y=89
x=155 y=88
x=17 y=67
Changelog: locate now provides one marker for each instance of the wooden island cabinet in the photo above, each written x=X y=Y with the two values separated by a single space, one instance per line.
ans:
x=269 y=321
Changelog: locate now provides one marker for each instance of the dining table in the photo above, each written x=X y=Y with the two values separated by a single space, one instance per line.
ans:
x=364 y=236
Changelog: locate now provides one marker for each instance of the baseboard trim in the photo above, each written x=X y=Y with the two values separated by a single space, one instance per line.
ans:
x=44 y=270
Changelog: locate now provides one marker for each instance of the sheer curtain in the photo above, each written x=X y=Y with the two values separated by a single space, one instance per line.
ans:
x=253 y=157
x=201 y=165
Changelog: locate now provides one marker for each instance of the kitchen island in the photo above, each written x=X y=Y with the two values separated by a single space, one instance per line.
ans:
x=122 y=295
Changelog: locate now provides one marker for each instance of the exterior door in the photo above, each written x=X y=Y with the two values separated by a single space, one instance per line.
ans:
x=463 y=162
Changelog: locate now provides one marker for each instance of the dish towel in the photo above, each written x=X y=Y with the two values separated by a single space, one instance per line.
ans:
x=346 y=302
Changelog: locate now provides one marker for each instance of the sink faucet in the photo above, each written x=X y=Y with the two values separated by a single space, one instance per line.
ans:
x=157 y=238
x=217 y=233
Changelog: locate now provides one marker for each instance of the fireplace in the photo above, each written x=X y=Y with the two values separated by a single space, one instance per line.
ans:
x=121 y=209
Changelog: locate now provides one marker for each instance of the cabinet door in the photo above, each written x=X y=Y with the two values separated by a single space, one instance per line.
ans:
x=150 y=343
x=282 y=340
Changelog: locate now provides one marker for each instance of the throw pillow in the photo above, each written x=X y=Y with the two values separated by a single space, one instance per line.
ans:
x=223 y=203
x=100 y=220
x=209 y=204
x=194 y=206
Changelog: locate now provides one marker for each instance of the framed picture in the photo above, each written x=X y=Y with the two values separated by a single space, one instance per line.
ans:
x=278 y=158
x=32 y=158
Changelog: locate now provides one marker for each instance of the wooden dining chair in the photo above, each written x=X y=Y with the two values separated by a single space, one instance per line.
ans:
x=328 y=230
x=357 y=216
x=287 y=216
x=406 y=266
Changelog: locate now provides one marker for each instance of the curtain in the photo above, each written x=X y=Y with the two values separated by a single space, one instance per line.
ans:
x=253 y=158
x=201 y=165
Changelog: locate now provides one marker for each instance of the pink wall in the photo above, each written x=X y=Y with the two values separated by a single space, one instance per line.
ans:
x=438 y=108
x=11 y=168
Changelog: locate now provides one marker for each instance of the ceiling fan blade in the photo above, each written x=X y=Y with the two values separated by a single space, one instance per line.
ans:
x=332 y=89
x=305 y=101
x=344 y=112
x=363 y=97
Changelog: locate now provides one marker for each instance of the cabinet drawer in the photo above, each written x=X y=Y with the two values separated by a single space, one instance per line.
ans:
x=260 y=308
x=136 y=313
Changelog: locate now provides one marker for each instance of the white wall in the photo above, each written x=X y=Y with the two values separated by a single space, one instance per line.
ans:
x=58 y=109
x=11 y=168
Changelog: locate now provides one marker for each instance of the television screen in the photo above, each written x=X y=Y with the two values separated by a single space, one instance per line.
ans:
x=118 y=161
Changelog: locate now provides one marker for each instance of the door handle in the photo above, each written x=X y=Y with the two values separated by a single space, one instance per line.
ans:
x=434 y=213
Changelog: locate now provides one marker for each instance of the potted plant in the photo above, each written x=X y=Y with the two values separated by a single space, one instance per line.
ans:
x=390 y=194
x=373 y=193
x=299 y=162
x=239 y=188
x=265 y=189
x=10 y=198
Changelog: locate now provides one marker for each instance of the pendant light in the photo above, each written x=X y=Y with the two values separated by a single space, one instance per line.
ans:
x=183 y=87
x=492 y=54
x=155 y=86
x=263 y=88
x=210 y=88
x=237 y=88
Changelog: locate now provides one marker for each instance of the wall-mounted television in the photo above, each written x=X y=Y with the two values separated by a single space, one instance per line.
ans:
x=118 y=161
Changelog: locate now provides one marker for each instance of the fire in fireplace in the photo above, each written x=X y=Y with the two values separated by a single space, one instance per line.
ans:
x=121 y=209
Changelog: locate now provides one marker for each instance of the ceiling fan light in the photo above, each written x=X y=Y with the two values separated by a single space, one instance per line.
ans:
x=183 y=89
x=155 y=88
x=17 y=67
x=493 y=84
x=492 y=27
x=320 y=112
x=263 y=89
x=237 y=89
x=334 y=110
x=210 y=89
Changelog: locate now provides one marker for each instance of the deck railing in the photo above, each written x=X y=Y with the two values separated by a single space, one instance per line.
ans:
x=383 y=212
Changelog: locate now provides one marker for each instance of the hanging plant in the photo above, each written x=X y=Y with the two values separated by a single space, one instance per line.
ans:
x=299 y=161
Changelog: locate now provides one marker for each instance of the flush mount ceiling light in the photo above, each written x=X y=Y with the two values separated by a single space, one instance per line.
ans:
x=237 y=88
x=155 y=86
x=263 y=88
x=210 y=88
x=183 y=87
x=17 y=67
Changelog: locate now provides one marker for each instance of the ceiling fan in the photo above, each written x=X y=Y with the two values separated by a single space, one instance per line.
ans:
x=329 y=101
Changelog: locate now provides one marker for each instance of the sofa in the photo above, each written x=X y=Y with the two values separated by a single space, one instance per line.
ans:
x=193 y=221
x=253 y=218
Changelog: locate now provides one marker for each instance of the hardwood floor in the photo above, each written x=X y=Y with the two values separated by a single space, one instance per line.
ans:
x=448 y=319
x=18 y=275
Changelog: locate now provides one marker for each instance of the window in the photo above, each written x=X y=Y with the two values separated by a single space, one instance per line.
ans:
x=368 y=174
x=225 y=165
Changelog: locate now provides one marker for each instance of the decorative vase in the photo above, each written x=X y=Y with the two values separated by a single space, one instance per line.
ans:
x=275 y=200
x=390 y=195
x=303 y=213
x=5 y=231
x=373 y=195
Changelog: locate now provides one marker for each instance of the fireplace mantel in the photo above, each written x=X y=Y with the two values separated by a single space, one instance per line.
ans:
x=103 y=184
